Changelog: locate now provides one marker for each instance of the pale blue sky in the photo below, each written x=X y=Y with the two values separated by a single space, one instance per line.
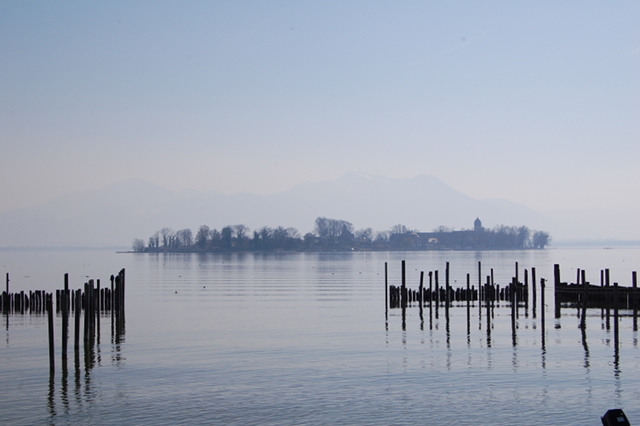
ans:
x=537 y=103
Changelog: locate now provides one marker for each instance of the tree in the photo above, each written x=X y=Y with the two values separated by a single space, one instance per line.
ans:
x=226 y=236
x=382 y=238
x=241 y=232
x=167 y=237
x=541 y=239
x=364 y=234
x=330 y=229
x=215 y=238
x=138 y=245
x=184 y=238
x=202 y=236
x=442 y=229
x=398 y=229
x=346 y=236
x=522 y=239
x=154 y=240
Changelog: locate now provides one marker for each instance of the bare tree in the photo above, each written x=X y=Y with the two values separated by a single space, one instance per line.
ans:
x=184 y=238
x=443 y=229
x=202 y=236
x=399 y=229
x=167 y=236
x=138 y=245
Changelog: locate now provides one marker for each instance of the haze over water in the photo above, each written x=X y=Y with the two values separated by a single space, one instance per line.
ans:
x=302 y=338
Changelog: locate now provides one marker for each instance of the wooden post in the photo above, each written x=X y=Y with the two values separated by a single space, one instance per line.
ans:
x=65 y=316
x=52 y=361
x=583 y=318
x=437 y=291
x=525 y=292
x=542 y=305
x=468 y=294
x=113 y=304
x=533 y=282
x=122 y=281
x=634 y=280
x=447 y=298
x=7 y=283
x=78 y=310
x=556 y=287
x=616 y=336
x=386 y=287
x=430 y=289
x=403 y=286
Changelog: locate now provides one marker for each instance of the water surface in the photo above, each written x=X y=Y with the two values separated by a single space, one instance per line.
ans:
x=304 y=338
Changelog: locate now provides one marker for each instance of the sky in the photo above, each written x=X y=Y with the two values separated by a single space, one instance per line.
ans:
x=537 y=102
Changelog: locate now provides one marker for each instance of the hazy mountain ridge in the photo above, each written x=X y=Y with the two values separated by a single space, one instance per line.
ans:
x=117 y=213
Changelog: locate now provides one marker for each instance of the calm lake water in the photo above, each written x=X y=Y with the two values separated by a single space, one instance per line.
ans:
x=304 y=338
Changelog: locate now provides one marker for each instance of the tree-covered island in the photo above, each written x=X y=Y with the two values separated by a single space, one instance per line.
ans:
x=339 y=235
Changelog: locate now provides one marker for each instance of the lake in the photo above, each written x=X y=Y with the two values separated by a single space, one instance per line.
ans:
x=303 y=338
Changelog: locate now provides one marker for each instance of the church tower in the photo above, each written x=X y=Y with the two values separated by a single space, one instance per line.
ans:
x=477 y=225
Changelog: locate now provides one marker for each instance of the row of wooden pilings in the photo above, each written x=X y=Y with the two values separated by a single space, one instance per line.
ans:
x=438 y=293
x=580 y=295
x=92 y=299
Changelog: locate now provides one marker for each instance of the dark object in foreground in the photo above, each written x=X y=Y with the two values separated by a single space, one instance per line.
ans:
x=615 y=417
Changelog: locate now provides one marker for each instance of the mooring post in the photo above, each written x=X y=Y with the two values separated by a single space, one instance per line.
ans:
x=468 y=294
x=65 y=316
x=525 y=292
x=386 y=287
x=437 y=291
x=448 y=297
x=52 y=362
x=583 y=318
x=514 y=299
x=78 y=309
x=542 y=305
x=479 y=280
x=488 y=301
x=533 y=282
x=7 y=283
x=112 y=298
x=615 y=316
x=122 y=285
x=430 y=289
x=403 y=286
x=556 y=289
x=634 y=280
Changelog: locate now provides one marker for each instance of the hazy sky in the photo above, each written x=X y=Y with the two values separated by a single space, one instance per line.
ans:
x=538 y=103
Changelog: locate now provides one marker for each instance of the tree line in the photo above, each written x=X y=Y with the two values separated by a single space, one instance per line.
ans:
x=338 y=235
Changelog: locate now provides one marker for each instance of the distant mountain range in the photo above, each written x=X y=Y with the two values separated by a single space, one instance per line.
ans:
x=116 y=214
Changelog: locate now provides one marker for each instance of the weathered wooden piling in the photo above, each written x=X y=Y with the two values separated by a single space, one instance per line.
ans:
x=533 y=281
x=634 y=285
x=556 y=288
x=78 y=309
x=386 y=287
x=52 y=361
x=448 y=288
x=65 y=316
x=616 y=335
x=403 y=286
